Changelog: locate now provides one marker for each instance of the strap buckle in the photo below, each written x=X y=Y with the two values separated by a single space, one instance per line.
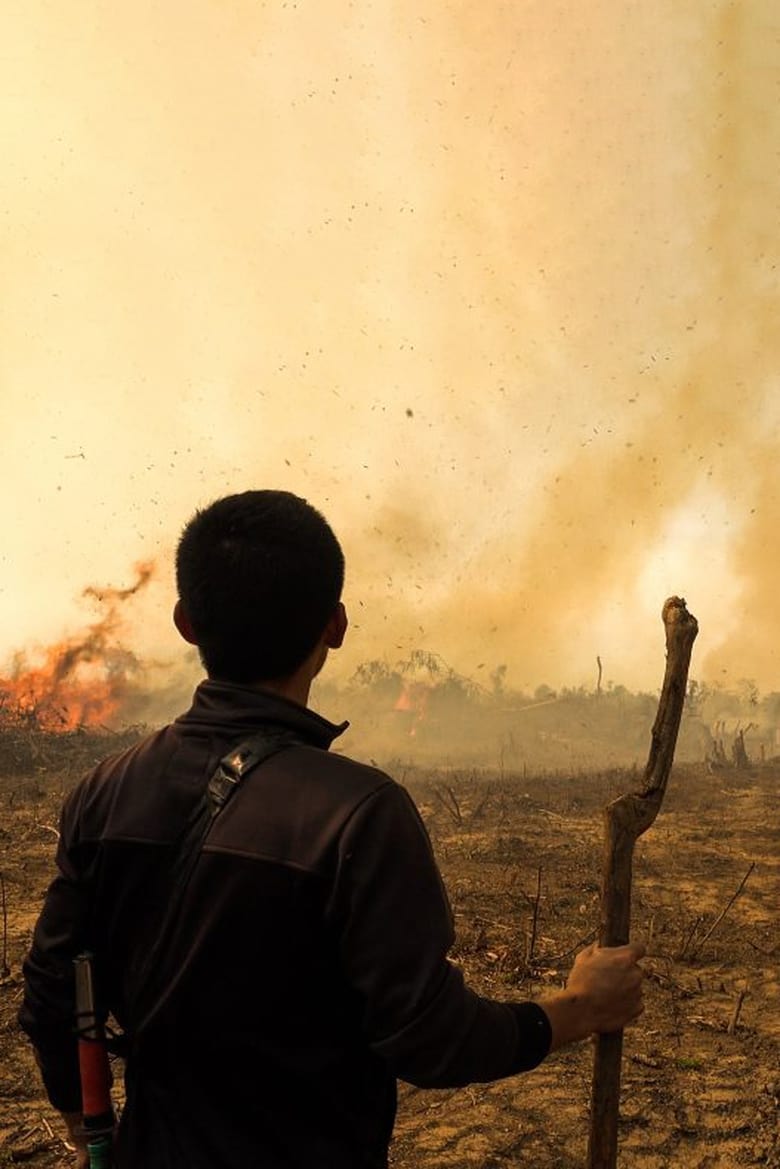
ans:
x=234 y=766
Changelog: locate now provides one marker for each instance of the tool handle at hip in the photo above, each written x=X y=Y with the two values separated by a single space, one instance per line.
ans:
x=100 y=1152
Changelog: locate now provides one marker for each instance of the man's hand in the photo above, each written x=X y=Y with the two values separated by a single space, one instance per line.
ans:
x=603 y=993
x=76 y=1137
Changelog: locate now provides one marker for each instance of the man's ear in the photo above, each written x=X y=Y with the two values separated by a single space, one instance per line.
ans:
x=182 y=623
x=336 y=627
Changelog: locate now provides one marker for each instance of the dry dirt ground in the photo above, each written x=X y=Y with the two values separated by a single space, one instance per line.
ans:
x=701 y=1073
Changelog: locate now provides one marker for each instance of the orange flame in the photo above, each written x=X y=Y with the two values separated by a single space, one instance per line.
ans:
x=81 y=680
x=413 y=700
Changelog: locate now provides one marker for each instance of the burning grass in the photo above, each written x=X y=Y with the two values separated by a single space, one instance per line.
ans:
x=59 y=706
x=81 y=681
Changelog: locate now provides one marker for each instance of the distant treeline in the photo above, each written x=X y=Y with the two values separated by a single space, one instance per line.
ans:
x=419 y=709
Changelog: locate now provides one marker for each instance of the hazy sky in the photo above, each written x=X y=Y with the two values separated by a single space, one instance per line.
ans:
x=493 y=285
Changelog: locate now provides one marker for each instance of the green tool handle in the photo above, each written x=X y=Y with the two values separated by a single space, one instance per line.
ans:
x=99 y=1151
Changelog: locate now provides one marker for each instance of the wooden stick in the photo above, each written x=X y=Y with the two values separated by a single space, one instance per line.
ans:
x=625 y=820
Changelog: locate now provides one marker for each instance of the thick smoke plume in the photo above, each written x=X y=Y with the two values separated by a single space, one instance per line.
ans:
x=495 y=287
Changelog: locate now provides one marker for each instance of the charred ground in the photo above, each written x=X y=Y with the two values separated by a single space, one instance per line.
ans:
x=520 y=852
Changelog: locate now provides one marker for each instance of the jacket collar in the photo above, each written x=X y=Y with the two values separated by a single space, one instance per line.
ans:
x=225 y=708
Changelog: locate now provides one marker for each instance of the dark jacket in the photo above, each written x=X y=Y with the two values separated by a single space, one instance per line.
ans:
x=307 y=961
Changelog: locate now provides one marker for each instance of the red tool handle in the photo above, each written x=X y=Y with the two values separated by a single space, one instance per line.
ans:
x=95 y=1079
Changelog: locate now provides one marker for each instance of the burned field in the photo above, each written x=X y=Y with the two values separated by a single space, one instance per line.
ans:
x=521 y=855
x=521 y=858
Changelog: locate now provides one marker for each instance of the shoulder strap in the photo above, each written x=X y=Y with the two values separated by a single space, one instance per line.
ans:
x=231 y=771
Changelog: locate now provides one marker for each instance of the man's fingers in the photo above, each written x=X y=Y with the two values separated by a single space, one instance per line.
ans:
x=630 y=953
x=589 y=949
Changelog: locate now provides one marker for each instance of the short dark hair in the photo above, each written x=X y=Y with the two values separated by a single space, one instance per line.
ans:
x=259 y=575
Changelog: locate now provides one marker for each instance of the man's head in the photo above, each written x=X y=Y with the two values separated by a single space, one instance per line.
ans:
x=259 y=577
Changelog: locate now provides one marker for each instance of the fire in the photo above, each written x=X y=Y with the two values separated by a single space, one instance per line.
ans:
x=80 y=681
x=413 y=700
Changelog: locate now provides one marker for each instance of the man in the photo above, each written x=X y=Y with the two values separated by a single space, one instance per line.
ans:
x=304 y=968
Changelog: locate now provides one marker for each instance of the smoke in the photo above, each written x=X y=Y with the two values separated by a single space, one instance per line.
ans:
x=494 y=287
x=674 y=485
